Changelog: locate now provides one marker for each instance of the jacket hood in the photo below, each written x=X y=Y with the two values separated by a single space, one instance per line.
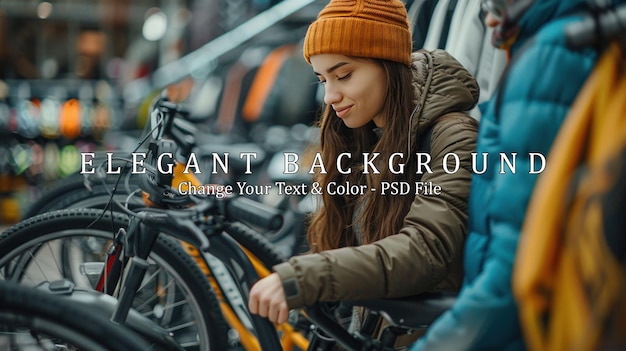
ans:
x=543 y=11
x=442 y=85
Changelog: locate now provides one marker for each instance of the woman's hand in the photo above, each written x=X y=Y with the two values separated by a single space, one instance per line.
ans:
x=267 y=299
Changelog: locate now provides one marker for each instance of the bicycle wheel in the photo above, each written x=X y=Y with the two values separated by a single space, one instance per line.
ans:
x=69 y=244
x=35 y=320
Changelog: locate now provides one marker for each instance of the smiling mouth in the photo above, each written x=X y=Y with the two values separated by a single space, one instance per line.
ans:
x=341 y=113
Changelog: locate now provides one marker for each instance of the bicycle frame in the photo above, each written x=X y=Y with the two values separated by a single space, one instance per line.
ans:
x=212 y=267
x=289 y=336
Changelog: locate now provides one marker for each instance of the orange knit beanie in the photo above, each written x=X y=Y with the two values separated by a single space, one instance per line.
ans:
x=364 y=28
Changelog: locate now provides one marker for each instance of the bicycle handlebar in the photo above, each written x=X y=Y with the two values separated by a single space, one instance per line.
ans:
x=253 y=212
x=157 y=186
x=607 y=26
x=236 y=209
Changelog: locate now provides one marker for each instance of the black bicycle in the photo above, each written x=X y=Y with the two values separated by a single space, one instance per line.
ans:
x=125 y=255
x=32 y=319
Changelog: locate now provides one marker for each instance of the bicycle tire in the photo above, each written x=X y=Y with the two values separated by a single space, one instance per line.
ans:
x=98 y=197
x=62 y=320
x=72 y=193
x=256 y=243
x=72 y=222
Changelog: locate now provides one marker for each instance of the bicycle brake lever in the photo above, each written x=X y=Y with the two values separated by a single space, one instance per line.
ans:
x=196 y=233
x=130 y=239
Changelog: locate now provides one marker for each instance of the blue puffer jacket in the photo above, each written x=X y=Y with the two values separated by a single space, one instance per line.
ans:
x=540 y=87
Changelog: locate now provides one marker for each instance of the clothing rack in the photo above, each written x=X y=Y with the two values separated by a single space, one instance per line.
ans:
x=201 y=62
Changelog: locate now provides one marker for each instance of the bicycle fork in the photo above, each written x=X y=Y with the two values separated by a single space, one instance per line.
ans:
x=135 y=244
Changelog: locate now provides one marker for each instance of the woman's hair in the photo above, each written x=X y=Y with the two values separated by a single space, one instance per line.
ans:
x=379 y=215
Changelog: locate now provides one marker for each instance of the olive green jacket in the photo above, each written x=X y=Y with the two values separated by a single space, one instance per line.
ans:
x=426 y=254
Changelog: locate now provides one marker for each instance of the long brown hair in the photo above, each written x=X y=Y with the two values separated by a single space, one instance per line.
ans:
x=332 y=225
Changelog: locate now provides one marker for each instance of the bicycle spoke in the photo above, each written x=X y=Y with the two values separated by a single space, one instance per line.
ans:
x=38 y=266
x=181 y=326
x=189 y=344
x=149 y=279
x=52 y=255
x=140 y=307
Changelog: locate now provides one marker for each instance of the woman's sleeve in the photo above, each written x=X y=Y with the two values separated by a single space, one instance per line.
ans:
x=416 y=259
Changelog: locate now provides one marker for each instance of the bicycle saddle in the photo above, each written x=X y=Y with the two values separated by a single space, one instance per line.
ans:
x=417 y=311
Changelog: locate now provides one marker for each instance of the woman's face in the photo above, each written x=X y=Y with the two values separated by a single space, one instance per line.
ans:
x=354 y=88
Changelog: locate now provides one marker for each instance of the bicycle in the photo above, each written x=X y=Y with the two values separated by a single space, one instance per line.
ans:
x=17 y=258
x=175 y=294
x=32 y=319
x=42 y=228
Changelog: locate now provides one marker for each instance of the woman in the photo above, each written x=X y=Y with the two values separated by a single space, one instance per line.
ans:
x=381 y=98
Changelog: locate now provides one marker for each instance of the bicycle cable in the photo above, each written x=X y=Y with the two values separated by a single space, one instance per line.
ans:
x=123 y=172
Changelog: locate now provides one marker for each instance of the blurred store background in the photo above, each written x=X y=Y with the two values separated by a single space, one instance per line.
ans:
x=79 y=75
